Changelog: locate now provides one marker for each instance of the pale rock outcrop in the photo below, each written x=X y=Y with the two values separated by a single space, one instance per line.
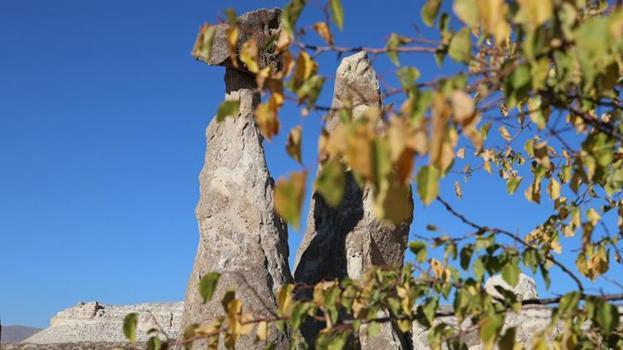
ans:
x=347 y=240
x=524 y=290
x=528 y=322
x=94 y=322
x=241 y=236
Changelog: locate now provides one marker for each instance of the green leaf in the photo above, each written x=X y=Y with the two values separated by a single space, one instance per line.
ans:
x=299 y=312
x=490 y=327
x=291 y=13
x=337 y=342
x=429 y=11
x=207 y=285
x=429 y=308
x=289 y=195
x=607 y=317
x=310 y=90
x=466 y=255
x=338 y=13
x=419 y=249
x=330 y=182
x=569 y=303
x=428 y=183
x=512 y=184
x=479 y=269
x=510 y=273
x=129 y=326
x=408 y=76
x=228 y=108
x=394 y=42
x=154 y=343
x=460 y=48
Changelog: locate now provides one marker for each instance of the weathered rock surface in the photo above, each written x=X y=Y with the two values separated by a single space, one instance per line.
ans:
x=525 y=288
x=531 y=320
x=261 y=25
x=95 y=322
x=241 y=236
x=346 y=241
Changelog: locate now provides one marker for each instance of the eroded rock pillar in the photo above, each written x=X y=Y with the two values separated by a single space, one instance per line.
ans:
x=241 y=236
x=346 y=241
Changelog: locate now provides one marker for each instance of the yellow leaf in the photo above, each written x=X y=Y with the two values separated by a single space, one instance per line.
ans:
x=293 y=145
x=439 y=270
x=418 y=141
x=266 y=115
x=443 y=138
x=284 y=299
x=262 y=76
x=463 y=108
x=492 y=14
x=305 y=67
x=460 y=153
x=533 y=192
x=249 y=54
x=505 y=134
x=487 y=166
x=262 y=331
x=397 y=137
x=593 y=216
x=209 y=328
x=533 y=13
x=246 y=324
x=556 y=247
x=323 y=30
x=553 y=189
x=289 y=195
x=284 y=41
x=203 y=45
x=475 y=136
x=466 y=11
x=360 y=152
x=232 y=41
x=234 y=309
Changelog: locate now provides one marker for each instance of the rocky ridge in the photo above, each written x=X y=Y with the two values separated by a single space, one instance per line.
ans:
x=94 y=322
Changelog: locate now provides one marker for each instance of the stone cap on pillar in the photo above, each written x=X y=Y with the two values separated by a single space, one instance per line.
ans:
x=263 y=25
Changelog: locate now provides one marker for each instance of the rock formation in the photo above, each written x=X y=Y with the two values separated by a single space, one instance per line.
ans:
x=345 y=241
x=531 y=319
x=241 y=236
x=525 y=288
x=95 y=322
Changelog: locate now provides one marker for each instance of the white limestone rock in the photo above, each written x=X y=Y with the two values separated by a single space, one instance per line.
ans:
x=525 y=288
x=94 y=322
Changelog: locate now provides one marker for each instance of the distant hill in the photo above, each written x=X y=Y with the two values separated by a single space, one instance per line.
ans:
x=15 y=334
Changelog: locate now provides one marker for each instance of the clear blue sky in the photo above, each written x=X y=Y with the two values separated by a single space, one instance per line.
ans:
x=102 y=118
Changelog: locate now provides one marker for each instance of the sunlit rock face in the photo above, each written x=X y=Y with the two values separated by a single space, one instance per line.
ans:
x=528 y=322
x=347 y=240
x=241 y=236
x=94 y=322
x=524 y=290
